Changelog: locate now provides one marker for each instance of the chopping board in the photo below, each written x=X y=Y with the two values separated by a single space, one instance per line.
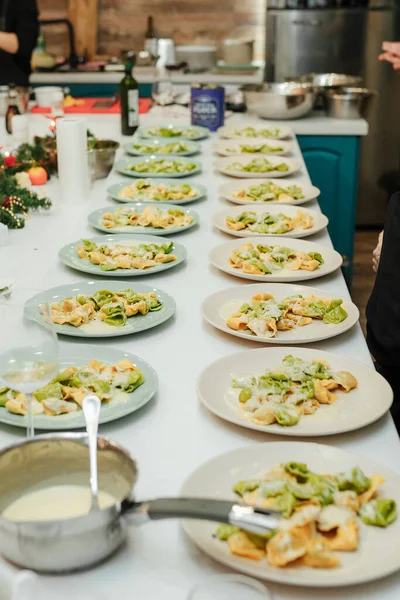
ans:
x=87 y=107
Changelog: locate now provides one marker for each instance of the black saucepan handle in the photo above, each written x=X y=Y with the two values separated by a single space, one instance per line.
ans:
x=252 y=519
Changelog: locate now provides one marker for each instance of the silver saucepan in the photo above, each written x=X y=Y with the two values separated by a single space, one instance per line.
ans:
x=79 y=543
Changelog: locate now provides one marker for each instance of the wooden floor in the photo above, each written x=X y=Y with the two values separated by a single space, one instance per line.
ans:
x=363 y=275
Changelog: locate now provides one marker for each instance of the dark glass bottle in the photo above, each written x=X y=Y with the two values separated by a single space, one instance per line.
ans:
x=12 y=109
x=129 y=93
x=150 y=38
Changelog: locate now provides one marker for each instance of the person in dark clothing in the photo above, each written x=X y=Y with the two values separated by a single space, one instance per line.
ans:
x=19 y=29
x=383 y=308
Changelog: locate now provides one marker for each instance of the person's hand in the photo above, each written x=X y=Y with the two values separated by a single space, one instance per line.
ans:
x=391 y=54
x=376 y=255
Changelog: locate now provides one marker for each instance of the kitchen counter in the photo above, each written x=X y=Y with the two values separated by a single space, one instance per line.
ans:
x=143 y=76
x=173 y=435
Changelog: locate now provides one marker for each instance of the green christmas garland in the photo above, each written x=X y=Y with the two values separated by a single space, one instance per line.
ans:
x=15 y=201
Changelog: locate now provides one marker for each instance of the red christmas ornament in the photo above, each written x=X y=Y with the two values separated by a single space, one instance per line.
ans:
x=7 y=202
x=10 y=161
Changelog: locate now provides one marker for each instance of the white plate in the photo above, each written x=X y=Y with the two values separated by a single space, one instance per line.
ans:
x=379 y=551
x=96 y=219
x=133 y=324
x=114 y=190
x=218 y=307
x=222 y=165
x=227 y=190
x=320 y=220
x=69 y=256
x=122 y=164
x=363 y=405
x=233 y=147
x=202 y=132
x=78 y=356
x=192 y=147
x=219 y=257
x=229 y=132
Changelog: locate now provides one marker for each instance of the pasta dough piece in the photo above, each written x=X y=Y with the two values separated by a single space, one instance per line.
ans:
x=289 y=545
x=347 y=499
x=235 y=225
x=346 y=380
x=251 y=269
x=265 y=415
x=318 y=555
x=263 y=326
x=261 y=297
x=241 y=545
x=376 y=481
x=323 y=395
x=238 y=321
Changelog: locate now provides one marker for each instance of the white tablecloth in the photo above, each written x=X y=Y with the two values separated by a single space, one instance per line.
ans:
x=173 y=434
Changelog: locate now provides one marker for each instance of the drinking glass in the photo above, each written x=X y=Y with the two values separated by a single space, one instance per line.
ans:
x=28 y=346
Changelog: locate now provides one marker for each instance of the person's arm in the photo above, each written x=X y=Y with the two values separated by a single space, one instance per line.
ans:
x=27 y=29
x=376 y=255
x=391 y=54
x=9 y=42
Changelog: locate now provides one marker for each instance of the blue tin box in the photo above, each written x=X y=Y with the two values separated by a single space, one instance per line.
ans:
x=207 y=105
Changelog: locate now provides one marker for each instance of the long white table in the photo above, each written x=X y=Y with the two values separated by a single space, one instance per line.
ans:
x=173 y=434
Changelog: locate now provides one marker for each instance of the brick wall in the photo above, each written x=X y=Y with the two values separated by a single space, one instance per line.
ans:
x=122 y=23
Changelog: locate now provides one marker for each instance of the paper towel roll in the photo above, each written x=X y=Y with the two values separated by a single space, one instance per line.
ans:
x=73 y=171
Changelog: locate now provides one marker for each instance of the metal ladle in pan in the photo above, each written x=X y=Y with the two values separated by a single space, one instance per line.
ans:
x=79 y=543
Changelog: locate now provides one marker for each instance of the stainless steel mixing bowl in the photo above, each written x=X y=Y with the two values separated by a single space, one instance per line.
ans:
x=348 y=103
x=101 y=158
x=289 y=100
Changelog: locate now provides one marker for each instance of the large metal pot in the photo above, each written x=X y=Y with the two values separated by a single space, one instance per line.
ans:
x=348 y=103
x=79 y=543
x=290 y=100
x=198 y=58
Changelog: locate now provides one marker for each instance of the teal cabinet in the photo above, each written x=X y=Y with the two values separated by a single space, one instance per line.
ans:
x=332 y=162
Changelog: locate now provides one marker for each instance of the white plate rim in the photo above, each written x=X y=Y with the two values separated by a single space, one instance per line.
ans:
x=244 y=183
x=314 y=577
x=203 y=131
x=119 y=167
x=94 y=219
x=232 y=417
x=241 y=291
x=128 y=147
x=220 y=147
x=91 y=269
x=320 y=221
x=298 y=276
x=285 y=131
x=69 y=356
x=66 y=290
x=201 y=189
x=221 y=165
